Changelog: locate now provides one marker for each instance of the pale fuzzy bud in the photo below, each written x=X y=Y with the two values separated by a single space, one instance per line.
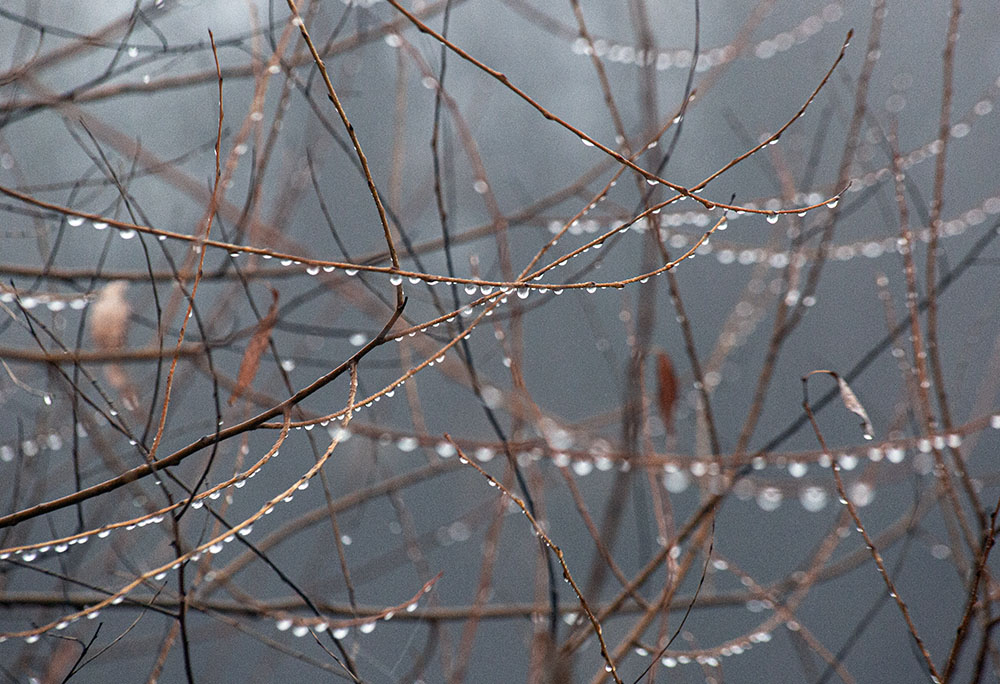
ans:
x=109 y=317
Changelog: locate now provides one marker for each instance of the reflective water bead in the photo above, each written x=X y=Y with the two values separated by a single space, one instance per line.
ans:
x=797 y=469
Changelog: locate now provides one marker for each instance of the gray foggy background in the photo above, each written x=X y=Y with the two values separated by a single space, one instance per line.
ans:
x=142 y=101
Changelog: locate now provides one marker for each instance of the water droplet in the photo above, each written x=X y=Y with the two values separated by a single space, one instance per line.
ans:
x=769 y=498
x=813 y=499
x=797 y=469
x=773 y=218
x=75 y=221
x=341 y=633
x=848 y=461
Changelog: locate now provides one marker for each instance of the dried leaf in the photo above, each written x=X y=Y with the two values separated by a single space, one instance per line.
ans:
x=255 y=350
x=852 y=404
x=667 y=390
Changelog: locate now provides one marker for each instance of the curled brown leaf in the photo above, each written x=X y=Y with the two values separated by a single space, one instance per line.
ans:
x=255 y=350
x=666 y=390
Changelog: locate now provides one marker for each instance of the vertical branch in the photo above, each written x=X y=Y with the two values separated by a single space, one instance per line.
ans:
x=297 y=20
x=869 y=542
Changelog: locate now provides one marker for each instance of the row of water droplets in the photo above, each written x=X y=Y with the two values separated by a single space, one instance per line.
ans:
x=30 y=552
x=213 y=548
x=340 y=630
x=712 y=57
x=727 y=255
x=679 y=473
